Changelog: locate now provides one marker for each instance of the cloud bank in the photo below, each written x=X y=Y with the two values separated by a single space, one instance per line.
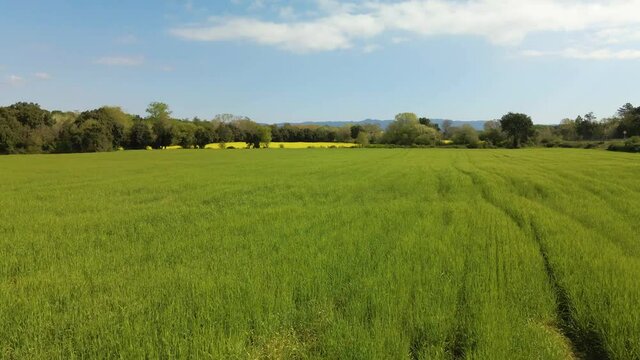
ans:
x=340 y=25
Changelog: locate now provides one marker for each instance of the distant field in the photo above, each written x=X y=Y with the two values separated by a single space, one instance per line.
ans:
x=338 y=254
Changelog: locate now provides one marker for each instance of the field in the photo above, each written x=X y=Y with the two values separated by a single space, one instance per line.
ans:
x=321 y=253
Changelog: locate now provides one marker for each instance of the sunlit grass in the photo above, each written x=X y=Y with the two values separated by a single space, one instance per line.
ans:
x=363 y=253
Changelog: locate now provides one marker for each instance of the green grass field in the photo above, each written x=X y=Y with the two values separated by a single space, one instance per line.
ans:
x=321 y=253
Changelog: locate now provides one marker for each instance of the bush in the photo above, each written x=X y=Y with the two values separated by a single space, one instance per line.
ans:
x=634 y=140
x=628 y=146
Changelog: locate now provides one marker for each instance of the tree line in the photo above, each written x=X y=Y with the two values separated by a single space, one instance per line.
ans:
x=27 y=128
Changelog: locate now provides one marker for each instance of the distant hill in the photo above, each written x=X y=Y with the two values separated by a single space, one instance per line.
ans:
x=477 y=124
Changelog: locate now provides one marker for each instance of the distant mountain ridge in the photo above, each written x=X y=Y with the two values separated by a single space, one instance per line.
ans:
x=476 y=124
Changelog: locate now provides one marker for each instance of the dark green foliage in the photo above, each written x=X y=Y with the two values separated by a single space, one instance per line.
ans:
x=355 y=131
x=25 y=127
x=10 y=133
x=518 y=127
x=140 y=135
x=629 y=122
x=162 y=128
x=31 y=115
x=102 y=129
x=205 y=134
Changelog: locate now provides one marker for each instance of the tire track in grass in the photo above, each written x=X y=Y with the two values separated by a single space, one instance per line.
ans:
x=588 y=344
x=459 y=341
x=585 y=344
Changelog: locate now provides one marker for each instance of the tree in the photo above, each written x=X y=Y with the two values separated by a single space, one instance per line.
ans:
x=91 y=131
x=518 y=127
x=373 y=131
x=407 y=130
x=427 y=135
x=31 y=115
x=567 y=129
x=11 y=139
x=587 y=127
x=362 y=139
x=447 y=126
x=163 y=130
x=355 y=130
x=625 y=109
x=184 y=134
x=158 y=111
x=160 y=117
x=205 y=134
x=493 y=133
x=466 y=135
x=94 y=137
x=403 y=131
x=265 y=136
x=629 y=121
x=427 y=122
x=140 y=135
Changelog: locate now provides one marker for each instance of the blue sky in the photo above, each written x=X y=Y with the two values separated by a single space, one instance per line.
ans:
x=301 y=60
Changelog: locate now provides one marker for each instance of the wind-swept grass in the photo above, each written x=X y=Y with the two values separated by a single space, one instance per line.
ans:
x=321 y=253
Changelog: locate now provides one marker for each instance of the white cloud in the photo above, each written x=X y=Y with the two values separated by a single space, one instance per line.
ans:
x=42 y=76
x=618 y=35
x=329 y=33
x=501 y=22
x=120 y=60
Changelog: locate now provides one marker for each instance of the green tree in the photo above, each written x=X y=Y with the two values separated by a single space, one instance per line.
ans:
x=31 y=115
x=567 y=129
x=427 y=135
x=629 y=121
x=403 y=130
x=447 y=129
x=355 y=131
x=466 y=135
x=163 y=131
x=265 y=136
x=493 y=134
x=362 y=139
x=184 y=134
x=205 y=134
x=518 y=127
x=140 y=135
x=158 y=111
x=11 y=133
x=94 y=137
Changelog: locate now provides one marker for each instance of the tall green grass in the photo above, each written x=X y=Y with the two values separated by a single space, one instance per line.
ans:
x=326 y=253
